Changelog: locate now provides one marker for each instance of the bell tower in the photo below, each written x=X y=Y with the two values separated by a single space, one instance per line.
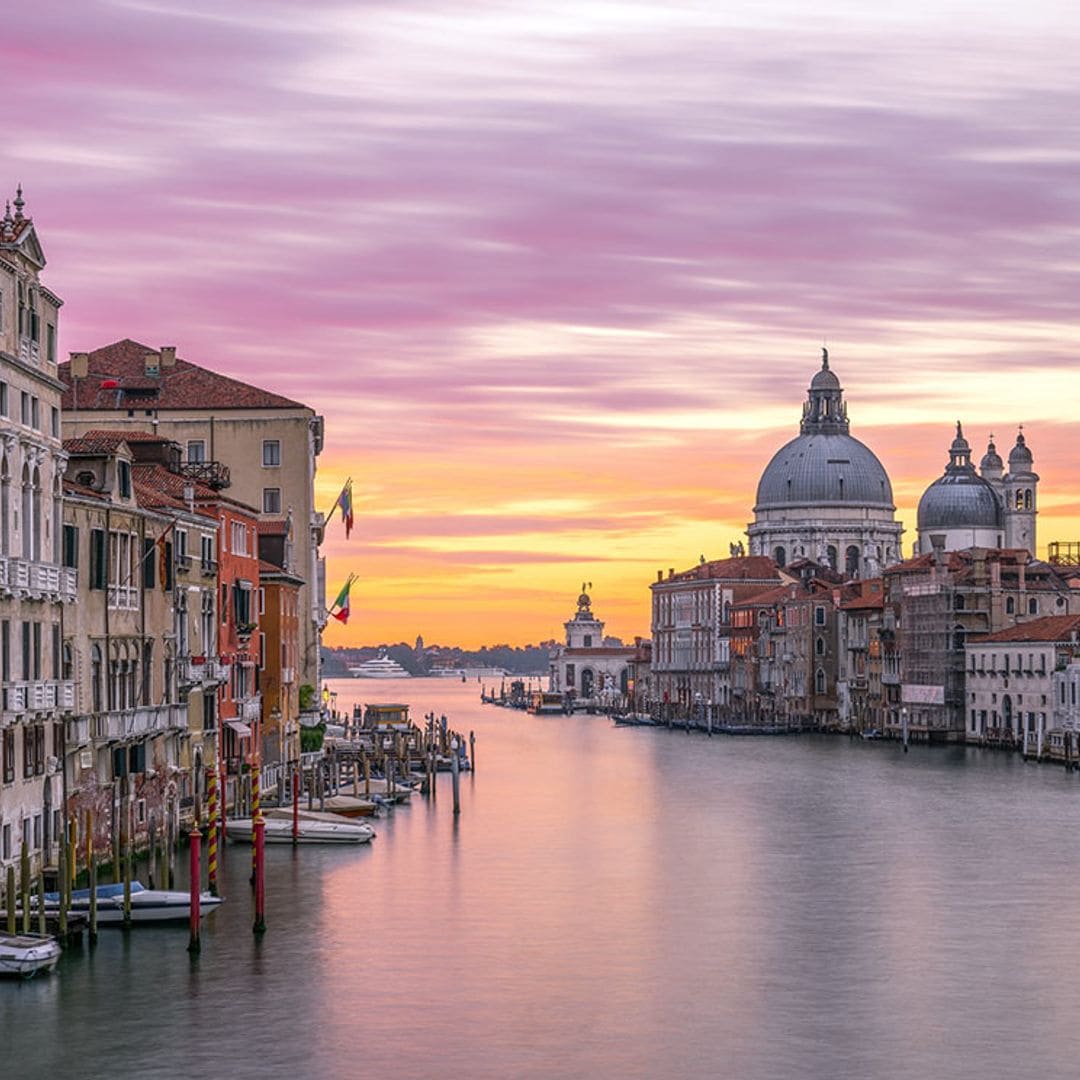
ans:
x=1020 y=489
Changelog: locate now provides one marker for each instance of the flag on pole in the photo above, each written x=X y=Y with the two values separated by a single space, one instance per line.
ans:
x=344 y=500
x=340 y=609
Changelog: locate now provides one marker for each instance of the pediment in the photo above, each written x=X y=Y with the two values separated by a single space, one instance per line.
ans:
x=30 y=247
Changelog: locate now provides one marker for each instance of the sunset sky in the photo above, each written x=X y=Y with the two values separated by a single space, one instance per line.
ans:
x=558 y=275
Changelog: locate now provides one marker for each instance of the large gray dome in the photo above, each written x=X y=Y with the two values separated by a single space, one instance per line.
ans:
x=960 y=501
x=831 y=469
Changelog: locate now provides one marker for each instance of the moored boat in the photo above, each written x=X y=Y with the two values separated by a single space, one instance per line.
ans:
x=147 y=905
x=313 y=828
x=544 y=702
x=23 y=955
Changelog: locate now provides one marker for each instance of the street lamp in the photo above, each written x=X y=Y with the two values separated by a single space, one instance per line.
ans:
x=904 y=727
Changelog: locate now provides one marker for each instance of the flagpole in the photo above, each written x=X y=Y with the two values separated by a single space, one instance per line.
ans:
x=337 y=501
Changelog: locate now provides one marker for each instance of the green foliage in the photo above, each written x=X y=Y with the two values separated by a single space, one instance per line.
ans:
x=311 y=738
x=307 y=697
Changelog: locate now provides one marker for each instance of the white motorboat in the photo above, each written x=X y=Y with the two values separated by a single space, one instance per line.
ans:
x=147 y=905
x=314 y=828
x=27 y=954
x=382 y=667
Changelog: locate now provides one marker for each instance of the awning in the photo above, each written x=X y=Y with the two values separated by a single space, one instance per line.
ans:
x=238 y=726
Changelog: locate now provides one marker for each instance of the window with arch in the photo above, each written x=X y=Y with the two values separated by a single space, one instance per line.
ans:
x=819 y=681
x=778 y=556
x=67 y=662
x=5 y=507
x=958 y=602
x=851 y=560
x=831 y=556
x=1019 y=500
x=819 y=646
x=1028 y=501
x=1033 y=606
x=96 y=677
x=1010 y=606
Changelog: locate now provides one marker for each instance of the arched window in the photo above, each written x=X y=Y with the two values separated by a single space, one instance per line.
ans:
x=778 y=556
x=830 y=553
x=1019 y=500
x=36 y=507
x=958 y=602
x=1027 y=499
x=819 y=646
x=958 y=637
x=1010 y=606
x=819 y=681
x=96 y=677
x=851 y=561
x=5 y=507
x=27 y=514
x=67 y=662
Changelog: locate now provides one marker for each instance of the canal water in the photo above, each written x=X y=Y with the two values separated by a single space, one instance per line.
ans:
x=618 y=903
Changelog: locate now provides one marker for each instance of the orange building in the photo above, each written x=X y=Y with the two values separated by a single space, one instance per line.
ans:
x=280 y=624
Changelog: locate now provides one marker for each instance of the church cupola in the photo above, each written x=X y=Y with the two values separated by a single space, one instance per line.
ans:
x=584 y=630
x=991 y=467
x=824 y=412
x=1021 y=486
x=959 y=453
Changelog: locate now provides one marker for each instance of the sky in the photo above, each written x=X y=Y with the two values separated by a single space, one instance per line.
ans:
x=558 y=275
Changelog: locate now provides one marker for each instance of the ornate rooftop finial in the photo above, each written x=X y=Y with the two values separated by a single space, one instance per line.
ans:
x=959 y=430
x=824 y=358
x=19 y=203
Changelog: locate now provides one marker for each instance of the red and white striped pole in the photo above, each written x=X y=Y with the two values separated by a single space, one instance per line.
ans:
x=212 y=837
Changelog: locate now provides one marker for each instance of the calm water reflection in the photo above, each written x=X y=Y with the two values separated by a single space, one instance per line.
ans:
x=620 y=904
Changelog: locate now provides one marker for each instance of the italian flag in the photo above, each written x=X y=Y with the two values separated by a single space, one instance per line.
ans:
x=340 y=608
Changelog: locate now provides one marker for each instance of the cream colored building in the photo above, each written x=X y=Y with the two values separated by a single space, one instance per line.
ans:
x=264 y=445
x=35 y=591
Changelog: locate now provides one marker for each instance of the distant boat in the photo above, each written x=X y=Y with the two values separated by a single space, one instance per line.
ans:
x=382 y=667
x=312 y=828
x=27 y=954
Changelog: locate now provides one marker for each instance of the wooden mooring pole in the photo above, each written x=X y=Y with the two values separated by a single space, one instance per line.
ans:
x=455 y=771
x=194 y=940
x=9 y=899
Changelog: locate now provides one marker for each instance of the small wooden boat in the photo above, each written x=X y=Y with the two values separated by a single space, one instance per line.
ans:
x=147 y=905
x=314 y=828
x=546 y=703
x=349 y=806
x=24 y=955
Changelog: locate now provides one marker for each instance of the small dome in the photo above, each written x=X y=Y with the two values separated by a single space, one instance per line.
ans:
x=991 y=459
x=825 y=379
x=959 y=500
x=1020 y=458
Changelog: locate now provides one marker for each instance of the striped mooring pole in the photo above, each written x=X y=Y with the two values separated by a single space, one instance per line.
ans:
x=256 y=815
x=212 y=833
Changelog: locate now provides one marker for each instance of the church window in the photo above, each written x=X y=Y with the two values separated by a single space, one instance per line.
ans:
x=1010 y=606
x=588 y=641
x=819 y=646
x=851 y=561
x=569 y=674
x=778 y=556
x=819 y=616
x=831 y=556
x=1027 y=499
x=1019 y=500
x=1033 y=606
x=819 y=681
x=958 y=602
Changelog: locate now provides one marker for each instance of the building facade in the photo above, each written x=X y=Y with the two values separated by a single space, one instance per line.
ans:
x=268 y=444
x=588 y=667
x=36 y=592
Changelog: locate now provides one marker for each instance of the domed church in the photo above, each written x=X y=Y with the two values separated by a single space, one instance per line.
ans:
x=989 y=508
x=825 y=496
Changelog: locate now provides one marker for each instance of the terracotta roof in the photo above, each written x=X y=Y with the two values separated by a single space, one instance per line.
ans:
x=869 y=594
x=1048 y=628
x=768 y=597
x=738 y=568
x=73 y=488
x=182 y=386
x=607 y=650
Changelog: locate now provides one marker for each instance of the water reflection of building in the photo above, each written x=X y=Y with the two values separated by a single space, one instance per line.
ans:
x=590 y=666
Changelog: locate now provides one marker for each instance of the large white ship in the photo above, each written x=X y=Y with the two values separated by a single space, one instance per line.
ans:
x=382 y=667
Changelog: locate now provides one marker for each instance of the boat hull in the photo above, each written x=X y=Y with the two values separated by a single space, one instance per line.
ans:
x=280 y=831
x=25 y=955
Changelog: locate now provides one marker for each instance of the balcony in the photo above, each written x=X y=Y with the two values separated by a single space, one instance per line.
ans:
x=139 y=722
x=77 y=731
x=30 y=580
x=890 y=678
x=183 y=563
x=212 y=473
x=208 y=567
x=250 y=709
x=216 y=671
x=124 y=597
x=202 y=671
x=29 y=351
x=45 y=696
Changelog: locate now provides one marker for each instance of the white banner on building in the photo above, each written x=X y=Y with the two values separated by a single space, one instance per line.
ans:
x=917 y=694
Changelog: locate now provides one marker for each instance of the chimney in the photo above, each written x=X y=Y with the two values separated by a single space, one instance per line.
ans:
x=168 y=356
x=937 y=542
x=659 y=575
x=80 y=364
x=152 y=364
x=189 y=497
x=670 y=572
